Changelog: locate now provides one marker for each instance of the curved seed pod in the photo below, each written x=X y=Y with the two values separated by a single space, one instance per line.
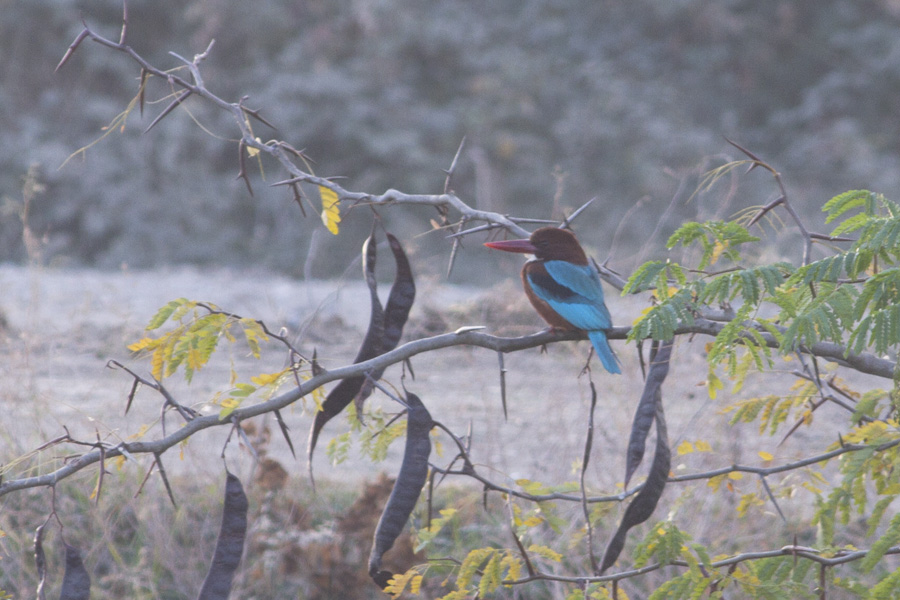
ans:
x=396 y=311
x=400 y=301
x=646 y=410
x=385 y=329
x=644 y=503
x=407 y=488
x=230 y=545
x=76 y=583
x=343 y=394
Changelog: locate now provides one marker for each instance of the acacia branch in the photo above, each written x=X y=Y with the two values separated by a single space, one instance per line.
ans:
x=866 y=363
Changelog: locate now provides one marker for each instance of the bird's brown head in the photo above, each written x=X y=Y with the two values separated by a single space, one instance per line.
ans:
x=547 y=243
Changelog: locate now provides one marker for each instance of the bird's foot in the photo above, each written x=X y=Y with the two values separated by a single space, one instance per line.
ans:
x=587 y=365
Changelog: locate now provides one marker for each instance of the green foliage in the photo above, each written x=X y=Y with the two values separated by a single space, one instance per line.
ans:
x=887 y=588
x=492 y=566
x=664 y=543
x=379 y=435
x=750 y=284
x=196 y=333
x=655 y=274
x=717 y=239
x=851 y=298
x=661 y=321
x=888 y=539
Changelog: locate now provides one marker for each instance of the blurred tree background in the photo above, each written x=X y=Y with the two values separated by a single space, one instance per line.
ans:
x=560 y=101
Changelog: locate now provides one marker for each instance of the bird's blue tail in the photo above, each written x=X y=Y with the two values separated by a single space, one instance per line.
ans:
x=604 y=352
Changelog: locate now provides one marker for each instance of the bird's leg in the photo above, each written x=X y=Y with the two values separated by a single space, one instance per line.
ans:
x=587 y=365
x=552 y=331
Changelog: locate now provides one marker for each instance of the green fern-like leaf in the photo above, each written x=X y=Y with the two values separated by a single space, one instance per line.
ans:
x=869 y=405
x=716 y=238
x=874 y=519
x=822 y=317
x=878 y=292
x=163 y=314
x=890 y=538
x=886 y=589
x=831 y=268
x=644 y=277
x=739 y=334
x=880 y=330
x=378 y=437
x=663 y=543
x=661 y=321
x=840 y=204
x=752 y=284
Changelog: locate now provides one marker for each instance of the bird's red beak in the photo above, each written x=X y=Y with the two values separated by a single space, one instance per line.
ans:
x=523 y=246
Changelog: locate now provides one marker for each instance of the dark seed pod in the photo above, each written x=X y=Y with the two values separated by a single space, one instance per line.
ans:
x=407 y=488
x=230 y=545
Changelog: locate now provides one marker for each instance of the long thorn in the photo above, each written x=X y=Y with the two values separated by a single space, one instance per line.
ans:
x=84 y=33
x=182 y=96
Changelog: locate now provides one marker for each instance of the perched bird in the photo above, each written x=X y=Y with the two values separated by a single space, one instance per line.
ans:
x=563 y=287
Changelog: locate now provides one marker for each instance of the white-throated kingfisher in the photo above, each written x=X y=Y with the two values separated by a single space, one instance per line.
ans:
x=564 y=288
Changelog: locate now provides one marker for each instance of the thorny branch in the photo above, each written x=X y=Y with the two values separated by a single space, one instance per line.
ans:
x=864 y=362
x=841 y=557
x=281 y=151
x=806 y=235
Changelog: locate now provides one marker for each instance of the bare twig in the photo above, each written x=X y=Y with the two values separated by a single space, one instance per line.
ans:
x=781 y=200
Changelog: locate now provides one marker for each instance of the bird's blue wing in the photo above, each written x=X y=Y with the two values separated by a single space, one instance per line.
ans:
x=573 y=291
x=581 y=279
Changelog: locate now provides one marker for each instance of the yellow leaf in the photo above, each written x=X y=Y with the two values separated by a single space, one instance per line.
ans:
x=156 y=364
x=264 y=379
x=415 y=585
x=713 y=385
x=228 y=406
x=808 y=486
x=331 y=212
x=702 y=446
x=685 y=447
x=735 y=475
x=251 y=151
x=765 y=456
x=546 y=552
x=643 y=314
x=141 y=344
x=438 y=448
x=532 y=521
x=717 y=252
